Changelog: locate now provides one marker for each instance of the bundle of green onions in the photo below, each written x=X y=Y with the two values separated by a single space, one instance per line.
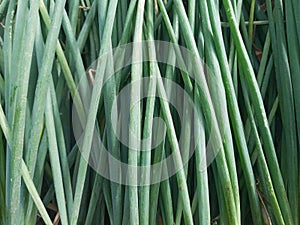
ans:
x=149 y=112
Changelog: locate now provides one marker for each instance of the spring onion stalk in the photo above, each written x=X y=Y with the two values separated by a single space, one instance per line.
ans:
x=232 y=158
